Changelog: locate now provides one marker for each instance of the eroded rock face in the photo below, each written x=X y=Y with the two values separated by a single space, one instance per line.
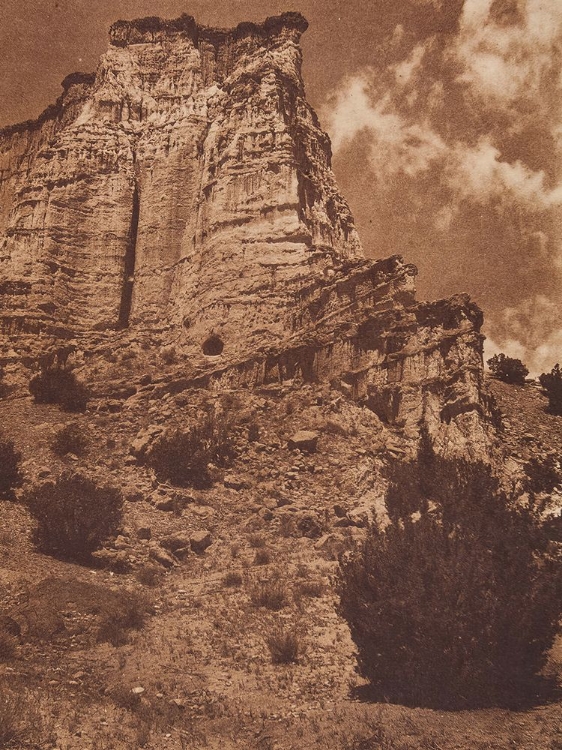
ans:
x=187 y=184
x=184 y=193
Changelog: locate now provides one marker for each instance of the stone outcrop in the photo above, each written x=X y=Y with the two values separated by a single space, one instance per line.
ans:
x=187 y=184
x=183 y=193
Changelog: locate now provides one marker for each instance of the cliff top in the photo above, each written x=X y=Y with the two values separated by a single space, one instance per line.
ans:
x=151 y=28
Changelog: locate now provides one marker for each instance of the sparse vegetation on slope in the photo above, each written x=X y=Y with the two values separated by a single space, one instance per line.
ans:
x=70 y=439
x=182 y=457
x=59 y=385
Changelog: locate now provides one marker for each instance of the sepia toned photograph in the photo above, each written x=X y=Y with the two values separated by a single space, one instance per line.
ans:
x=281 y=375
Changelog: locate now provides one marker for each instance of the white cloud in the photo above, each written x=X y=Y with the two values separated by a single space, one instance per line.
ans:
x=532 y=332
x=478 y=173
x=475 y=115
x=405 y=71
x=396 y=145
x=503 y=61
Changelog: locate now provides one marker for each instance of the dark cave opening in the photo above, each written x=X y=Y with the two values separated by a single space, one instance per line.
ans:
x=213 y=346
x=129 y=263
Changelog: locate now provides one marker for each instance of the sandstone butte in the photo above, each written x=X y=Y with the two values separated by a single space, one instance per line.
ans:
x=183 y=194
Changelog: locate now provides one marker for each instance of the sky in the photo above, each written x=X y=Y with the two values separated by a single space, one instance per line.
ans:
x=446 y=128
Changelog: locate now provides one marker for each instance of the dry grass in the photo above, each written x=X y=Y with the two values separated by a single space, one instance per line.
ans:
x=284 y=646
x=271 y=594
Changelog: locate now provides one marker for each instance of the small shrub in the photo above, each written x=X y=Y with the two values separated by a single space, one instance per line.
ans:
x=58 y=385
x=123 y=696
x=287 y=526
x=96 y=612
x=74 y=515
x=149 y=575
x=183 y=457
x=169 y=355
x=312 y=589
x=542 y=475
x=460 y=606
x=374 y=736
x=8 y=646
x=271 y=594
x=552 y=383
x=508 y=369
x=10 y=459
x=12 y=729
x=284 y=646
x=116 y=621
x=262 y=557
x=22 y=722
x=257 y=541
x=4 y=388
x=232 y=580
x=253 y=432
x=70 y=439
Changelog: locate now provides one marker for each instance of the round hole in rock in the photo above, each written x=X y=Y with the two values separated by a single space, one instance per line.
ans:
x=213 y=346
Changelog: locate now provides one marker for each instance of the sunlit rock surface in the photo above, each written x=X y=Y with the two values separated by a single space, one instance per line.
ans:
x=184 y=193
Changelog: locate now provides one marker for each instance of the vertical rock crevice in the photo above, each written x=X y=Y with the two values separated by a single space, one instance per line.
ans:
x=129 y=262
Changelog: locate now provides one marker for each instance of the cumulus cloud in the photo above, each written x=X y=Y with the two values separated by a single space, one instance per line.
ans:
x=464 y=125
x=478 y=173
x=532 y=332
x=507 y=48
x=396 y=145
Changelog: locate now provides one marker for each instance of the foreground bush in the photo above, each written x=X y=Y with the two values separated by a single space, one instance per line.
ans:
x=508 y=369
x=58 y=385
x=10 y=459
x=183 y=457
x=74 y=515
x=457 y=606
x=552 y=383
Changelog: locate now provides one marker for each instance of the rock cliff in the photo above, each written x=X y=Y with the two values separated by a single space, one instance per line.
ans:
x=183 y=193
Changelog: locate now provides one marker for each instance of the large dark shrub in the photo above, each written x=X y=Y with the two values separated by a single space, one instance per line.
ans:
x=58 y=385
x=10 y=476
x=455 y=606
x=552 y=383
x=508 y=369
x=182 y=456
x=74 y=515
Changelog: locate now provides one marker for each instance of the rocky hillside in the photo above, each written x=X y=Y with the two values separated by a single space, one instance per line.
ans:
x=164 y=642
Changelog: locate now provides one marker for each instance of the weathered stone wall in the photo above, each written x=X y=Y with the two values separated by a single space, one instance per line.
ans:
x=190 y=163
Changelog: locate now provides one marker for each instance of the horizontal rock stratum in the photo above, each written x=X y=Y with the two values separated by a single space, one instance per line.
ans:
x=184 y=191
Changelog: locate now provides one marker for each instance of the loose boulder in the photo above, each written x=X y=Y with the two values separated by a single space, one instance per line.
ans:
x=304 y=440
